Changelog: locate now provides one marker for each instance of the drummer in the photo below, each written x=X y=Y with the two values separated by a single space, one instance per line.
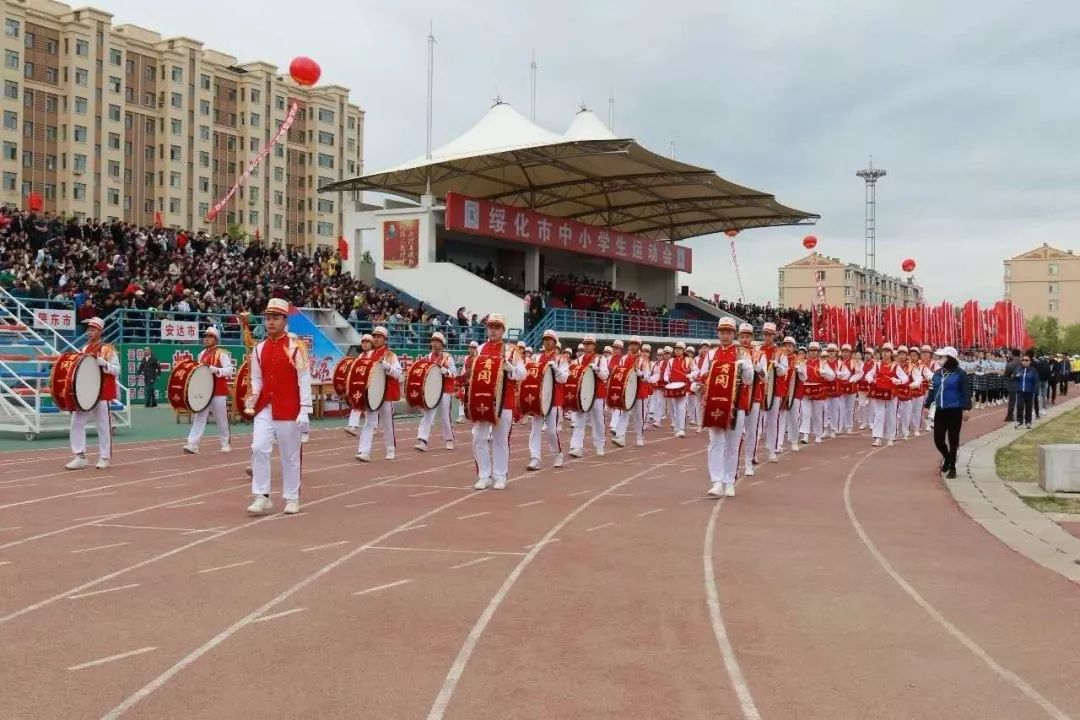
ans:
x=109 y=362
x=549 y=425
x=656 y=380
x=766 y=356
x=676 y=386
x=595 y=416
x=221 y=366
x=280 y=401
x=634 y=418
x=491 y=441
x=353 y=428
x=384 y=416
x=614 y=359
x=566 y=355
x=445 y=362
x=692 y=400
x=466 y=366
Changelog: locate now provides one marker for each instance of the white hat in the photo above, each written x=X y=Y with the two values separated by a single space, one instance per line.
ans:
x=529 y=349
x=902 y=348
x=680 y=345
x=668 y=350
x=690 y=348
x=888 y=346
x=366 y=337
x=474 y=344
x=520 y=343
x=634 y=339
x=746 y=328
x=607 y=348
x=927 y=348
x=496 y=319
x=646 y=346
x=768 y=327
x=439 y=336
x=277 y=306
x=831 y=346
x=948 y=351
x=589 y=339
x=212 y=331
x=581 y=346
x=380 y=330
x=95 y=322
x=789 y=340
x=549 y=333
x=814 y=345
x=845 y=346
x=617 y=343
x=726 y=323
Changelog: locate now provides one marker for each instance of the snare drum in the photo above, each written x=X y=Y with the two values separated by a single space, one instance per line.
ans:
x=76 y=382
x=580 y=386
x=424 y=385
x=622 y=388
x=675 y=390
x=365 y=388
x=191 y=386
x=538 y=389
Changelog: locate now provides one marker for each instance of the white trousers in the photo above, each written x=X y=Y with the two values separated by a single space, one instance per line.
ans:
x=847 y=413
x=593 y=418
x=355 y=417
x=632 y=419
x=693 y=409
x=221 y=417
x=862 y=410
x=286 y=433
x=493 y=460
x=794 y=421
x=616 y=413
x=384 y=418
x=883 y=419
x=832 y=413
x=753 y=431
x=544 y=427
x=678 y=414
x=903 y=428
x=102 y=420
x=813 y=417
x=461 y=410
x=777 y=428
x=723 y=454
x=656 y=406
x=442 y=412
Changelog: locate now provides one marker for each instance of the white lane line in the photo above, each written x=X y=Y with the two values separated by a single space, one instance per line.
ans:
x=112 y=658
x=413 y=527
x=339 y=543
x=320 y=487
x=716 y=617
x=422 y=494
x=443 y=550
x=1008 y=675
x=98 y=494
x=184 y=505
x=600 y=527
x=275 y=616
x=622 y=495
x=844 y=457
x=6 y=562
x=782 y=475
x=650 y=512
x=477 y=561
x=542 y=542
x=93 y=517
x=474 y=515
x=154 y=527
x=689 y=469
x=692 y=500
x=168 y=487
x=102 y=592
x=12 y=487
x=579 y=492
x=226 y=567
x=9 y=529
x=99 y=547
x=529 y=504
x=356 y=505
x=382 y=587
x=756 y=482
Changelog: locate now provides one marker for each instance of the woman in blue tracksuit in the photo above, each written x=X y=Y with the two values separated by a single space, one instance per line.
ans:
x=1027 y=384
x=950 y=393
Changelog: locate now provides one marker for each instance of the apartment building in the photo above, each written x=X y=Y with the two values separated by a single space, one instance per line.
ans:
x=1045 y=282
x=845 y=284
x=115 y=121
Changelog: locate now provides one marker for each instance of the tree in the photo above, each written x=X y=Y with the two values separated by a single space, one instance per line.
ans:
x=1046 y=332
x=1071 y=341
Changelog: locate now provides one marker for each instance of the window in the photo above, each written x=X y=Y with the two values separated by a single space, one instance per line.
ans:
x=114 y=169
x=204 y=209
x=29 y=43
x=114 y=113
x=114 y=141
x=1008 y=270
x=11 y=59
x=51 y=75
x=11 y=120
x=82 y=48
x=79 y=163
x=28 y=129
x=51 y=103
x=176 y=100
x=11 y=28
x=79 y=191
x=326 y=116
x=820 y=275
x=204 y=82
x=326 y=138
x=11 y=89
x=80 y=106
x=148 y=72
x=204 y=132
x=204 y=184
x=9 y=181
x=174 y=126
x=177 y=73
x=279 y=151
x=326 y=161
x=114 y=84
x=115 y=57
x=204 y=159
x=174 y=179
x=50 y=132
x=113 y=196
x=1052 y=287
x=82 y=77
x=253 y=144
x=352 y=123
x=28 y=71
x=174 y=152
x=174 y=205
x=253 y=217
x=1052 y=306
x=325 y=229
x=11 y=151
x=848 y=290
x=255 y=120
x=204 y=107
x=80 y=134
x=279 y=102
x=1052 y=269
x=279 y=198
x=279 y=174
x=326 y=206
x=27 y=159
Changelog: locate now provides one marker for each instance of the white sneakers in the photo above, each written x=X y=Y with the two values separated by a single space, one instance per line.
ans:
x=420 y=446
x=749 y=471
x=600 y=451
x=226 y=448
x=640 y=442
x=618 y=441
x=261 y=506
x=576 y=452
x=729 y=491
x=891 y=443
x=500 y=483
x=354 y=431
x=877 y=442
x=363 y=457
x=717 y=490
x=390 y=453
x=773 y=458
x=534 y=464
x=102 y=463
x=191 y=449
x=680 y=434
x=77 y=463
x=559 y=460
x=449 y=444
x=482 y=484
x=292 y=507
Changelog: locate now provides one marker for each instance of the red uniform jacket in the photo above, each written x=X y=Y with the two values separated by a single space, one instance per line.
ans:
x=108 y=382
x=211 y=357
x=393 y=387
x=280 y=382
x=510 y=387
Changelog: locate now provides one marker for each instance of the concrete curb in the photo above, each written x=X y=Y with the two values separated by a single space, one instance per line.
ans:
x=990 y=502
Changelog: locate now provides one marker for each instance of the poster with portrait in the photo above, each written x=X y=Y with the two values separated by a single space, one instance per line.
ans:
x=401 y=243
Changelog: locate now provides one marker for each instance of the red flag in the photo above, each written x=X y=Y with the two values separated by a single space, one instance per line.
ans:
x=917 y=333
x=157 y=219
x=343 y=248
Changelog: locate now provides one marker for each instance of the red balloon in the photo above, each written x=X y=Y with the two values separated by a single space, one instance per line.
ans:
x=809 y=242
x=908 y=265
x=731 y=233
x=304 y=71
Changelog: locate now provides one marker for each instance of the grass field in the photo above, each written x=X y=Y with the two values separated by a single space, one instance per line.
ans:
x=1019 y=461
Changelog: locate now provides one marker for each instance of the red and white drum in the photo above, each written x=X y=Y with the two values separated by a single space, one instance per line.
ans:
x=424 y=385
x=538 y=389
x=341 y=375
x=365 y=388
x=793 y=385
x=191 y=386
x=484 y=393
x=76 y=382
x=770 y=387
x=721 y=389
x=622 y=388
x=676 y=389
x=580 y=388
x=242 y=388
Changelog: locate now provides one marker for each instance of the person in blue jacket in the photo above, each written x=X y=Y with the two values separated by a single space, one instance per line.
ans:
x=1027 y=384
x=950 y=394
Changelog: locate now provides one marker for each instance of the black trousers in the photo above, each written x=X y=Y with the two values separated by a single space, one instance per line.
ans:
x=1014 y=404
x=1024 y=407
x=947 y=422
x=151 y=396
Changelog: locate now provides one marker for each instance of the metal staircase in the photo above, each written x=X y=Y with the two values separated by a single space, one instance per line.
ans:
x=26 y=361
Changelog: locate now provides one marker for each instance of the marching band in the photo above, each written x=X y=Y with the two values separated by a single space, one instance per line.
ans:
x=752 y=396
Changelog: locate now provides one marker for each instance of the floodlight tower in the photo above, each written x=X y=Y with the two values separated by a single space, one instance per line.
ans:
x=870 y=176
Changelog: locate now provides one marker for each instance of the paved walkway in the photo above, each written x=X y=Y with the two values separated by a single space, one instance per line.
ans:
x=990 y=502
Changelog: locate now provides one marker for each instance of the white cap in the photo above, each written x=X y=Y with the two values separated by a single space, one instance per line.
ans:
x=646 y=346
x=789 y=340
x=365 y=337
x=814 y=345
x=948 y=351
x=680 y=345
x=768 y=327
x=831 y=346
x=439 y=336
x=95 y=322
x=212 y=331
x=589 y=339
x=927 y=348
x=634 y=339
x=581 y=346
x=902 y=348
x=668 y=350
x=496 y=319
x=888 y=346
x=617 y=343
x=845 y=346
x=521 y=343
x=549 y=333
x=380 y=330
x=746 y=328
x=474 y=344
x=726 y=323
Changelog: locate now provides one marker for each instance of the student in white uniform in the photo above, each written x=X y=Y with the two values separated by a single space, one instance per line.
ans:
x=221 y=366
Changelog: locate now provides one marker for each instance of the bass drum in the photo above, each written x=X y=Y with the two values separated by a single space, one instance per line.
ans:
x=242 y=388
x=719 y=406
x=770 y=387
x=538 y=389
x=341 y=375
x=483 y=398
x=793 y=385
x=365 y=388
x=622 y=388
x=424 y=385
x=581 y=388
x=191 y=386
x=75 y=382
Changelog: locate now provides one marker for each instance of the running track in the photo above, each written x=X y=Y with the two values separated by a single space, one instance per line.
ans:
x=842 y=582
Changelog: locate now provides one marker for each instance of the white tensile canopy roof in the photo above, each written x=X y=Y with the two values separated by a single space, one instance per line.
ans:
x=588 y=175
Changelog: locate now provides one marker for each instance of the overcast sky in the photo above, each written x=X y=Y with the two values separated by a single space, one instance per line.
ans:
x=971 y=107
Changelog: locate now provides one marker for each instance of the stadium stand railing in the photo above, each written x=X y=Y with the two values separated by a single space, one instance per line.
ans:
x=612 y=325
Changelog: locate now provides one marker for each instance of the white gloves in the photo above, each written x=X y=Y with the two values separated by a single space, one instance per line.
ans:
x=102 y=363
x=695 y=387
x=304 y=424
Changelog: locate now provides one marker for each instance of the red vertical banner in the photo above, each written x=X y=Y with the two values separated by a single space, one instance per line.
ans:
x=918 y=325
